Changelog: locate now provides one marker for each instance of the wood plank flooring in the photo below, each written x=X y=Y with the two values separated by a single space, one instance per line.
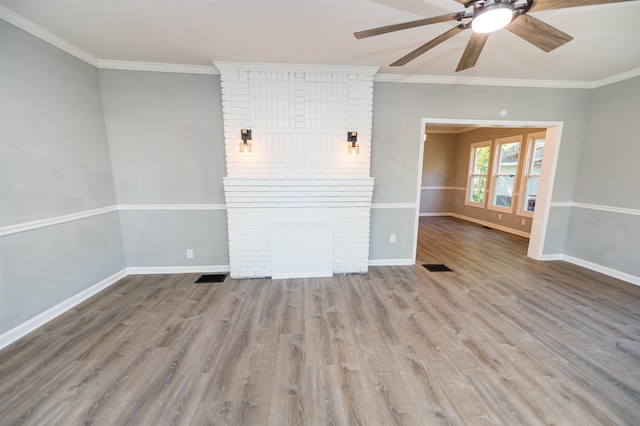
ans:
x=502 y=339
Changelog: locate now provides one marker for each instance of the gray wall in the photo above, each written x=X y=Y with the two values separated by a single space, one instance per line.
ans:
x=609 y=172
x=167 y=147
x=54 y=160
x=609 y=175
x=161 y=237
x=43 y=267
x=397 y=131
x=385 y=222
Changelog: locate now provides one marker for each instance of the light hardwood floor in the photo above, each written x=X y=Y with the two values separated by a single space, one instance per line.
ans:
x=501 y=340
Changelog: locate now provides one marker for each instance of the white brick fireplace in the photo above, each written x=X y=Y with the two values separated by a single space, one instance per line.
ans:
x=298 y=205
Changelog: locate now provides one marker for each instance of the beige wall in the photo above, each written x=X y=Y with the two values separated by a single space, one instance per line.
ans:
x=444 y=176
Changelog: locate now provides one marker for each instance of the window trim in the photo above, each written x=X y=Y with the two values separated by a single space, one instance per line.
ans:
x=531 y=138
x=470 y=174
x=495 y=160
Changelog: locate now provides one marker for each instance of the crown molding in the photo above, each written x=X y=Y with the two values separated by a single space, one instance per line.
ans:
x=305 y=68
x=505 y=82
x=616 y=78
x=44 y=35
x=156 y=67
x=481 y=81
x=172 y=206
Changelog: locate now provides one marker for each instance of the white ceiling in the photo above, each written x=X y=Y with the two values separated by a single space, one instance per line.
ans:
x=606 y=37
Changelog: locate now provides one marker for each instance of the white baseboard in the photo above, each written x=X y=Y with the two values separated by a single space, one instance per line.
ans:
x=141 y=270
x=602 y=269
x=481 y=222
x=594 y=267
x=42 y=318
x=557 y=256
x=39 y=320
x=492 y=225
x=391 y=262
x=292 y=275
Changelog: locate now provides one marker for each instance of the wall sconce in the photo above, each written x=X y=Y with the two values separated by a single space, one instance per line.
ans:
x=245 y=145
x=352 y=137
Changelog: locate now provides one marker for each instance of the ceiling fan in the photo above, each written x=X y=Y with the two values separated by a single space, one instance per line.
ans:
x=485 y=17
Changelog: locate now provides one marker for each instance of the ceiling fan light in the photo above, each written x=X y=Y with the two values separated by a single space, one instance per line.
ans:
x=492 y=18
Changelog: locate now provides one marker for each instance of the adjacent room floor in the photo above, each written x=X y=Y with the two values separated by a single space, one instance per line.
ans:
x=501 y=339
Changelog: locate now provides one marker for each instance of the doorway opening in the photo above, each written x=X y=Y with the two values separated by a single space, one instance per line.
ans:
x=552 y=135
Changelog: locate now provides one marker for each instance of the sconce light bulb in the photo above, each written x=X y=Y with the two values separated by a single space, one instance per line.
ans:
x=245 y=147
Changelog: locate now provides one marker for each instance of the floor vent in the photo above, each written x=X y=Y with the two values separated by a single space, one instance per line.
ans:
x=211 y=278
x=431 y=267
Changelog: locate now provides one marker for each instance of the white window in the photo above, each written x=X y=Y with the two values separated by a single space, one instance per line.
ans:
x=505 y=170
x=478 y=169
x=531 y=174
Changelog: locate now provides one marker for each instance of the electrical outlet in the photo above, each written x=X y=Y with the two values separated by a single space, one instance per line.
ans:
x=522 y=221
x=499 y=216
x=392 y=238
x=189 y=254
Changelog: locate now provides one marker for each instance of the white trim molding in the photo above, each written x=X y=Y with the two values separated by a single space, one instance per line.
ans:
x=602 y=269
x=600 y=207
x=491 y=225
x=391 y=262
x=154 y=270
x=480 y=81
x=39 y=32
x=505 y=82
x=303 y=68
x=172 y=207
x=46 y=36
x=594 y=267
x=616 y=78
x=21 y=330
x=41 y=223
x=393 y=205
x=456 y=188
x=157 y=67
x=42 y=318
x=562 y=204
x=479 y=222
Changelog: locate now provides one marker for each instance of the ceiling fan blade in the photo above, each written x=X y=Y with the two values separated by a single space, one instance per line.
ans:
x=472 y=51
x=538 y=33
x=561 y=4
x=406 y=25
x=429 y=45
